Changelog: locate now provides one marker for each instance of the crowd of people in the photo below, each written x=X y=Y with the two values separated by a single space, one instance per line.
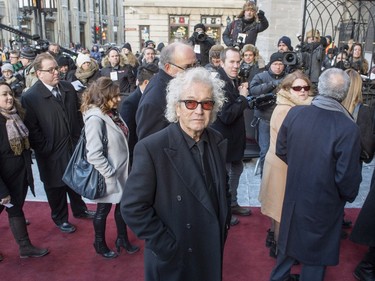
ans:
x=175 y=128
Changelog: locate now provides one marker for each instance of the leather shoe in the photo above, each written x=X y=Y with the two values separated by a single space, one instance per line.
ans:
x=241 y=211
x=364 y=271
x=66 y=227
x=234 y=220
x=87 y=214
x=346 y=224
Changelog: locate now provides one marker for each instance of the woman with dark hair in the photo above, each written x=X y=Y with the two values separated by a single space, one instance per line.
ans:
x=99 y=108
x=294 y=90
x=15 y=170
x=358 y=61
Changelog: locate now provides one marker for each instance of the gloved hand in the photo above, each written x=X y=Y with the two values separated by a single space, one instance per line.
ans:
x=260 y=14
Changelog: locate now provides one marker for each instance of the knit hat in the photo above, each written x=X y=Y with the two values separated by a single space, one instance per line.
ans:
x=7 y=66
x=28 y=53
x=62 y=61
x=148 y=42
x=127 y=46
x=81 y=59
x=200 y=25
x=276 y=57
x=286 y=40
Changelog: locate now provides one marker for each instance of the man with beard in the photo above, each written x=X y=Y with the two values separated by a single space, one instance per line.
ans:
x=245 y=29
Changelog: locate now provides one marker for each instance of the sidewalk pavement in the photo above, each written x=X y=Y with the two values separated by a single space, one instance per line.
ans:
x=248 y=189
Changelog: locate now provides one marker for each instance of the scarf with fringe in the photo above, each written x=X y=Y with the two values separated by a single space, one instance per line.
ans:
x=16 y=130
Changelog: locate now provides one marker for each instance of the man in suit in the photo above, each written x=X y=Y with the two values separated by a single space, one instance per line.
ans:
x=230 y=123
x=320 y=144
x=175 y=58
x=176 y=197
x=54 y=123
x=129 y=106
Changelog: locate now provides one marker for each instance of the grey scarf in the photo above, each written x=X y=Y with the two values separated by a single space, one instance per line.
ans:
x=328 y=103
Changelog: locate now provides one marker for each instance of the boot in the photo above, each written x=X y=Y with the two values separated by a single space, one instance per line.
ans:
x=270 y=238
x=102 y=249
x=364 y=271
x=99 y=222
x=26 y=249
x=122 y=234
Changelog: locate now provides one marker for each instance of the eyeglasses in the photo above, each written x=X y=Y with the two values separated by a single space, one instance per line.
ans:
x=193 y=104
x=50 y=70
x=186 y=67
x=299 y=88
x=13 y=57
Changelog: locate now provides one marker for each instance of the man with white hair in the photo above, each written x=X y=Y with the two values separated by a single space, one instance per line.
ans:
x=320 y=144
x=176 y=197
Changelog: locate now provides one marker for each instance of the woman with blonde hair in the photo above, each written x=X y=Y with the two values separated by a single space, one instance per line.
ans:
x=99 y=108
x=295 y=89
x=362 y=114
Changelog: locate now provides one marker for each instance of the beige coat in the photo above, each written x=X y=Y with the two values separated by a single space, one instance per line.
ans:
x=272 y=189
x=114 y=167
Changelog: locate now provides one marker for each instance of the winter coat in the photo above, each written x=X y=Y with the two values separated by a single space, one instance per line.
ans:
x=114 y=166
x=272 y=189
x=166 y=203
x=54 y=126
x=322 y=151
x=251 y=28
x=230 y=120
x=265 y=83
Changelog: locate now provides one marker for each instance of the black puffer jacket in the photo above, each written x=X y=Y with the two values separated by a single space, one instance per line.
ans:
x=264 y=83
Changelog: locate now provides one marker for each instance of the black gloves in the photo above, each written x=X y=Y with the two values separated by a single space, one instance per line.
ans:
x=260 y=14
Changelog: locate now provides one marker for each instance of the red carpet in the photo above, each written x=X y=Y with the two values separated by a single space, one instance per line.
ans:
x=72 y=256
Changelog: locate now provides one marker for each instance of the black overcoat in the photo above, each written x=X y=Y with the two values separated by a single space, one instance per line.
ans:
x=166 y=203
x=151 y=109
x=15 y=171
x=127 y=111
x=54 y=128
x=230 y=121
x=322 y=150
x=364 y=228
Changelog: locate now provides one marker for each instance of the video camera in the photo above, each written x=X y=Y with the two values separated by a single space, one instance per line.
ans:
x=261 y=102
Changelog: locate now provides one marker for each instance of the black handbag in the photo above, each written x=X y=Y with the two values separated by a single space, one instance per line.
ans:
x=80 y=175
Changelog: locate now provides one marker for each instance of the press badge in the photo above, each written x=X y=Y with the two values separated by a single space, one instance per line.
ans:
x=197 y=49
x=114 y=76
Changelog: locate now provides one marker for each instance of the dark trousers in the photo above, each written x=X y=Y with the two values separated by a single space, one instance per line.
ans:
x=284 y=263
x=58 y=203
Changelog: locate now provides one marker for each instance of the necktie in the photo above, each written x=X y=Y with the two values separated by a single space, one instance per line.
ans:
x=56 y=93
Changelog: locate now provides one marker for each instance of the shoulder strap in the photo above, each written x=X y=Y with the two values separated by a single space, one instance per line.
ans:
x=105 y=138
x=355 y=112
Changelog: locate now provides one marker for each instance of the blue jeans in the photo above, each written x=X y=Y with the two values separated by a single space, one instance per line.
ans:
x=263 y=140
x=234 y=170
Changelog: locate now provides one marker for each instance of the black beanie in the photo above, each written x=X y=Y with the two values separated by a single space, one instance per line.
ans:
x=286 y=40
x=276 y=57
x=200 y=25
x=127 y=46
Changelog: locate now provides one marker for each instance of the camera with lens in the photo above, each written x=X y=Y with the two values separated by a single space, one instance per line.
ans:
x=261 y=102
x=244 y=72
x=200 y=36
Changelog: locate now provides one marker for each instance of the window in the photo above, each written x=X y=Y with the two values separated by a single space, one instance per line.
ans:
x=144 y=35
x=178 y=28
x=213 y=27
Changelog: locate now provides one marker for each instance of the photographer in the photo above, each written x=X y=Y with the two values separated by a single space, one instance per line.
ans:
x=201 y=43
x=251 y=64
x=244 y=30
x=263 y=87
